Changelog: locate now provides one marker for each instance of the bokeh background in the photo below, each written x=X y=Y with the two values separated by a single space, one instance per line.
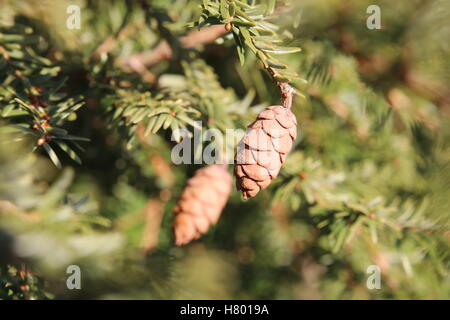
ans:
x=368 y=181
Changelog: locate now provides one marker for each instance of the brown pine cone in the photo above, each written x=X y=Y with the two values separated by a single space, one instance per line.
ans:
x=263 y=149
x=201 y=203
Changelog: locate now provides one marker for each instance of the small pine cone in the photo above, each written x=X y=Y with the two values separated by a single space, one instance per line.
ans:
x=201 y=203
x=263 y=149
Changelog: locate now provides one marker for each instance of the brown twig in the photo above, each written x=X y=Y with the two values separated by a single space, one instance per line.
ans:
x=153 y=217
x=139 y=61
x=286 y=90
x=287 y=93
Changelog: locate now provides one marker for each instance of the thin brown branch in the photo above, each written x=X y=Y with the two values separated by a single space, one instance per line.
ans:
x=286 y=90
x=153 y=217
x=287 y=94
x=163 y=52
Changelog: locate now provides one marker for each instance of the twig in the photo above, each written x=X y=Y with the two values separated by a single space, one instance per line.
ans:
x=287 y=93
x=163 y=51
x=286 y=90
x=153 y=217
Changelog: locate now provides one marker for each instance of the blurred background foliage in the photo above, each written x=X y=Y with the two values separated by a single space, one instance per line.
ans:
x=367 y=183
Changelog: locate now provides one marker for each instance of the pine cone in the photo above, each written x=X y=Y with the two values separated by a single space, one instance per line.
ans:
x=263 y=149
x=201 y=203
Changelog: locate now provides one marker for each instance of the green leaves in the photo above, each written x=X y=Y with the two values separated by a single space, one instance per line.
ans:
x=202 y=102
x=224 y=10
x=251 y=30
x=163 y=111
x=270 y=6
x=280 y=50
x=71 y=153
x=52 y=155
x=34 y=96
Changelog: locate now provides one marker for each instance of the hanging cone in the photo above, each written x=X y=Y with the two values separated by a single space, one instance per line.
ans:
x=201 y=203
x=263 y=149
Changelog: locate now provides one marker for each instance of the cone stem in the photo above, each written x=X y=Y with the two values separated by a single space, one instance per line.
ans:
x=287 y=94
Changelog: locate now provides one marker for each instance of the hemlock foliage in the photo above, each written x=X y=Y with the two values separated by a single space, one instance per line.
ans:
x=85 y=140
